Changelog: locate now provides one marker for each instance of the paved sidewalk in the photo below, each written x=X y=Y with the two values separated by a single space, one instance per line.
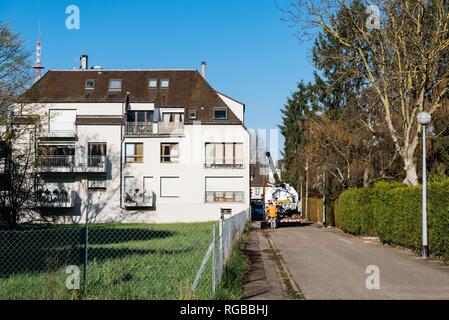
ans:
x=329 y=264
x=262 y=282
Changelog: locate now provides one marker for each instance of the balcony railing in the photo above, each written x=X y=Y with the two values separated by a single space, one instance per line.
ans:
x=55 y=199
x=56 y=162
x=170 y=128
x=68 y=164
x=139 y=128
x=150 y=128
x=138 y=200
x=224 y=166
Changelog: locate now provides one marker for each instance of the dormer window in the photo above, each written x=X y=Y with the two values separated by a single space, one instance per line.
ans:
x=115 y=85
x=192 y=114
x=165 y=83
x=90 y=84
x=220 y=114
x=152 y=83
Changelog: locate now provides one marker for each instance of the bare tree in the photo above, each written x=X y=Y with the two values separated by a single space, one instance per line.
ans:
x=17 y=131
x=399 y=48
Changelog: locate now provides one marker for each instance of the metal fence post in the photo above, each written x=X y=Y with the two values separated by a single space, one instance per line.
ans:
x=221 y=246
x=85 y=258
x=214 y=261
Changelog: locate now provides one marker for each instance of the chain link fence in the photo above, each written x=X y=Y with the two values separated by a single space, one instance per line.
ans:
x=151 y=262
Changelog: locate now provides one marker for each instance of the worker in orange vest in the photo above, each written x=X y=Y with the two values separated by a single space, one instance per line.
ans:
x=272 y=214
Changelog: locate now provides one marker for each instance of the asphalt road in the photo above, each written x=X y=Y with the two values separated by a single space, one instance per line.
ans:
x=328 y=264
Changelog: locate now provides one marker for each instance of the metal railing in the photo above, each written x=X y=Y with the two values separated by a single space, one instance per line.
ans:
x=96 y=161
x=170 y=128
x=224 y=165
x=139 y=128
x=55 y=199
x=67 y=163
x=115 y=262
x=138 y=200
x=56 y=161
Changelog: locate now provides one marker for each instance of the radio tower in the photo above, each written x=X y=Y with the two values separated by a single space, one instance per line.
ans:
x=37 y=66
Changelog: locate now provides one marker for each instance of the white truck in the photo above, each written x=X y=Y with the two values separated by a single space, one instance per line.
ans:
x=284 y=197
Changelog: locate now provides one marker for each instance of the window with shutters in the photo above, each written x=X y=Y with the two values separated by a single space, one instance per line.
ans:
x=225 y=189
x=170 y=187
x=224 y=155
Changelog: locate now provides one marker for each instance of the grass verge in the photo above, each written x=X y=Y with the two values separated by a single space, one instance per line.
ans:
x=234 y=275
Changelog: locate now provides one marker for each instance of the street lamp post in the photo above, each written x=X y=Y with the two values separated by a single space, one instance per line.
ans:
x=424 y=119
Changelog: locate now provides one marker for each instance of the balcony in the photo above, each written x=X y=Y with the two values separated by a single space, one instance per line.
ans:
x=65 y=164
x=145 y=129
x=224 y=166
x=95 y=164
x=139 y=129
x=56 y=199
x=138 y=201
x=170 y=128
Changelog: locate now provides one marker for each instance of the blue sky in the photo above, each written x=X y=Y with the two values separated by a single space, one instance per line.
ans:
x=251 y=54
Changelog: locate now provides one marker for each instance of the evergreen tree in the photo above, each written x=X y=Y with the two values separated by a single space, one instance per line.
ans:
x=298 y=108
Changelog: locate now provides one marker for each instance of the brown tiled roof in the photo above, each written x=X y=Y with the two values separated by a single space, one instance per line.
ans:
x=187 y=89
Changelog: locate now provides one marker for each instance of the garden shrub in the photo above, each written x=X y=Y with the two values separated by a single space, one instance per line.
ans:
x=392 y=212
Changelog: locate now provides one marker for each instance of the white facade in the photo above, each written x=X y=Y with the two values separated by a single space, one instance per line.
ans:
x=133 y=180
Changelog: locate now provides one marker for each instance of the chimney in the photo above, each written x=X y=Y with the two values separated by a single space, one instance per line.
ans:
x=203 y=69
x=84 y=62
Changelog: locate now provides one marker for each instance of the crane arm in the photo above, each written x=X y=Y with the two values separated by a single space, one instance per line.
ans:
x=273 y=168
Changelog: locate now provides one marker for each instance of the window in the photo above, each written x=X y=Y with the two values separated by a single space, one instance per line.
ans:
x=90 y=84
x=96 y=154
x=170 y=152
x=62 y=121
x=139 y=117
x=115 y=85
x=176 y=117
x=224 y=155
x=152 y=83
x=129 y=188
x=149 y=185
x=192 y=114
x=97 y=184
x=170 y=187
x=134 y=152
x=225 y=189
x=165 y=83
x=220 y=114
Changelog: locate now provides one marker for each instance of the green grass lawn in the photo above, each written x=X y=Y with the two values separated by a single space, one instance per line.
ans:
x=125 y=261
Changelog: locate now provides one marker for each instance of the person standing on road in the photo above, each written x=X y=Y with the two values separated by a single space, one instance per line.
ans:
x=272 y=214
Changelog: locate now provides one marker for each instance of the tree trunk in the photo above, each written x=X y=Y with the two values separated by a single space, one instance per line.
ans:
x=366 y=178
x=411 y=176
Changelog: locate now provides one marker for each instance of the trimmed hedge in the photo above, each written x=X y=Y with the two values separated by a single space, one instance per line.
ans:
x=392 y=212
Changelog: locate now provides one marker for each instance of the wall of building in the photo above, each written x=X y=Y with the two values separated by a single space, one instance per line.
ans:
x=188 y=206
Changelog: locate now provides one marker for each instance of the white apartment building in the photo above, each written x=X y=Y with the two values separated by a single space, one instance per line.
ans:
x=139 y=146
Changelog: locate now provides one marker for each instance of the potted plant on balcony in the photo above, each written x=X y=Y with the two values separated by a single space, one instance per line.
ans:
x=64 y=196
x=56 y=196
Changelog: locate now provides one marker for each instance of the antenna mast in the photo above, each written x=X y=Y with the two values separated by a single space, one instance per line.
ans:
x=38 y=66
